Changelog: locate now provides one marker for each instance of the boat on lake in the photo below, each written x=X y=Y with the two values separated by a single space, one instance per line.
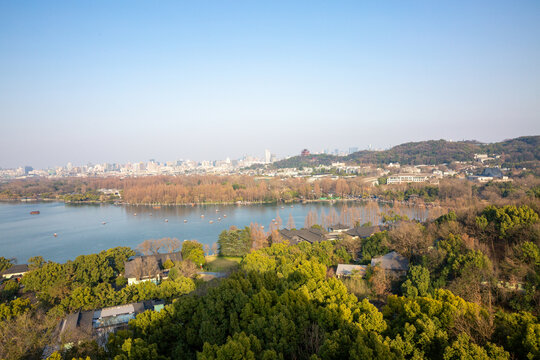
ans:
x=35 y=212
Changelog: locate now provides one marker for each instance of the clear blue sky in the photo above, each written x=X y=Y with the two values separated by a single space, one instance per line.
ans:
x=117 y=81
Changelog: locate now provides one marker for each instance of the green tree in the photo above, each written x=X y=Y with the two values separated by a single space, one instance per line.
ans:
x=235 y=242
x=193 y=250
x=417 y=283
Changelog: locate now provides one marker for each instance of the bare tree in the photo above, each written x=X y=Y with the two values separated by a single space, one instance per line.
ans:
x=311 y=219
x=380 y=282
x=409 y=240
x=258 y=236
x=215 y=248
x=290 y=223
x=145 y=248
x=171 y=244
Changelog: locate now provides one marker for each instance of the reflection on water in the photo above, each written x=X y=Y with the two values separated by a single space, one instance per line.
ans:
x=84 y=229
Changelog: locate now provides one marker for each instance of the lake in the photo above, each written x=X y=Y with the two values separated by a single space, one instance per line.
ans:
x=86 y=229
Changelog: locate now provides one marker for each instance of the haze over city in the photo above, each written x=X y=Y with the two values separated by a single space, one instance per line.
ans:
x=130 y=81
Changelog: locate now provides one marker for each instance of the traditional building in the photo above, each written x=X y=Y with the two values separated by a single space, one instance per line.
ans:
x=149 y=267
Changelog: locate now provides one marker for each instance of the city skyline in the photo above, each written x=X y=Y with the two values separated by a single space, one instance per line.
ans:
x=127 y=81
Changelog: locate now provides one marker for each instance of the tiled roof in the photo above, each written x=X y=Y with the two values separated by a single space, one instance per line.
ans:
x=391 y=261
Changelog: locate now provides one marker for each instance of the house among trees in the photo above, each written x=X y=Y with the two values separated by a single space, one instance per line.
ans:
x=346 y=270
x=15 y=271
x=393 y=262
x=149 y=267
x=311 y=235
x=362 y=232
x=98 y=324
x=337 y=229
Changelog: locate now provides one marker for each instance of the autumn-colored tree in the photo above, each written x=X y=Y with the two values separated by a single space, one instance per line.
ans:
x=311 y=219
x=408 y=239
x=290 y=223
x=258 y=236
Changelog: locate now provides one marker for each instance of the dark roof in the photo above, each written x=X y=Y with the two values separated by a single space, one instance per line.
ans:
x=339 y=227
x=149 y=265
x=77 y=325
x=364 y=232
x=310 y=235
x=391 y=261
x=493 y=172
x=16 y=269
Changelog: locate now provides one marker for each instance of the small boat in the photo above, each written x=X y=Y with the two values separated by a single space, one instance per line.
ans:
x=291 y=206
x=55 y=235
x=103 y=223
x=202 y=216
x=219 y=219
x=211 y=221
x=166 y=220
x=35 y=212
x=217 y=210
x=185 y=221
x=134 y=214
x=224 y=215
x=156 y=207
x=283 y=207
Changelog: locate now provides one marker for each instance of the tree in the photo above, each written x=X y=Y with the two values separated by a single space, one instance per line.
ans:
x=259 y=238
x=417 y=283
x=5 y=263
x=235 y=242
x=290 y=223
x=171 y=245
x=168 y=264
x=193 y=250
x=376 y=244
x=35 y=262
x=311 y=219
x=408 y=239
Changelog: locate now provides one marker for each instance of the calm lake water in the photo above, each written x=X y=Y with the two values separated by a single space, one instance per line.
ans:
x=80 y=229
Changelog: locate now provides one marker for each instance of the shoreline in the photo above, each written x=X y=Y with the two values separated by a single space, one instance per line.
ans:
x=238 y=203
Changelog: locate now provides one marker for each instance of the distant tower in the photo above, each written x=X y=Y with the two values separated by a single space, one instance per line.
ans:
x=305 y=152
x=267 y=156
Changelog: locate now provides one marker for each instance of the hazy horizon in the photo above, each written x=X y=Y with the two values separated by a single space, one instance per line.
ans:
x=130 y=81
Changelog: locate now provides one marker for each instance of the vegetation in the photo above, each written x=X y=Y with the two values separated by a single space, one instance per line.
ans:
x=472 y=290
x=515 y=153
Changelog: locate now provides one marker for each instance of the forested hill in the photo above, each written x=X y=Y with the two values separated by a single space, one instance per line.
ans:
x=519 y=152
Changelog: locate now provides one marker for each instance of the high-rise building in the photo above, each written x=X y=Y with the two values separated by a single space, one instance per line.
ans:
x=267 y=156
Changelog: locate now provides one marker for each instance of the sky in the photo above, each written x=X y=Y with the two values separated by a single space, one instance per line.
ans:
x=118 y=81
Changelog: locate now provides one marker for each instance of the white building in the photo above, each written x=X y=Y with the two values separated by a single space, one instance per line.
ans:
x=407 y=178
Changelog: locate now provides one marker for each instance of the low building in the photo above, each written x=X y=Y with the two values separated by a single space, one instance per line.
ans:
x=312 y=235
x=407 y=178
x=338 y=228
x=98 y=324
x=346 y=270
x=16 y=271
x=362 y=232
x=149 y=267
x=393 y=262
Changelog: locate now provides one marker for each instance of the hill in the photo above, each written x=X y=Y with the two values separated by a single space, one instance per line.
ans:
x=519 y=152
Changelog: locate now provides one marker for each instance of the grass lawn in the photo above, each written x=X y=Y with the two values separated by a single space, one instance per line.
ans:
x=222 y=263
